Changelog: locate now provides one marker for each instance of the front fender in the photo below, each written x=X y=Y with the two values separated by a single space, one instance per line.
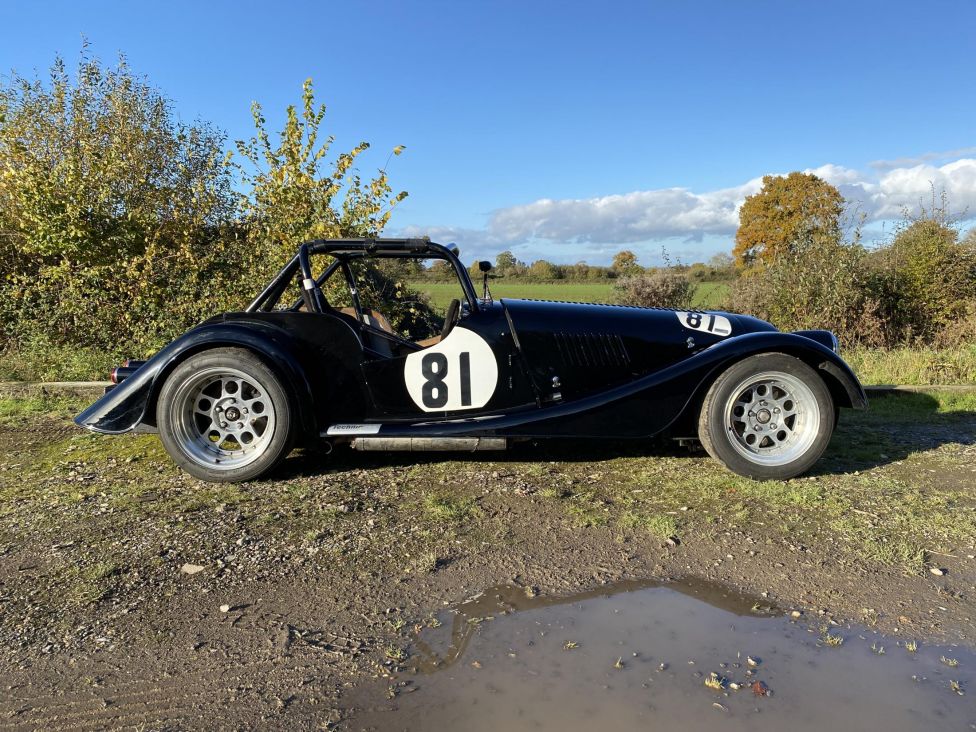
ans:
x=132 y=404
x=840 y=379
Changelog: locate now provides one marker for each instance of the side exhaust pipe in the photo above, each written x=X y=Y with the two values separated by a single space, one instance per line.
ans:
x=429 y=444
x=120 y=374
x=123 y=372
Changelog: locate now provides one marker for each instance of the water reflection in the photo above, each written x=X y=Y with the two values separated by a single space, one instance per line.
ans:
x=638 y=656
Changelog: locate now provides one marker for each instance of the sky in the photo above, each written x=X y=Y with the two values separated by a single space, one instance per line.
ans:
x=571 y=130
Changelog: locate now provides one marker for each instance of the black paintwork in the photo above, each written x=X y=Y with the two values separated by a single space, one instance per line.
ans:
x=565 y=369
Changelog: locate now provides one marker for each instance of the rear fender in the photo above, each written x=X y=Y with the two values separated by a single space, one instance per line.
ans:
x=132 y=404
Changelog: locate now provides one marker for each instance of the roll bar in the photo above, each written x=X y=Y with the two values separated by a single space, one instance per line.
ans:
x=345 y=250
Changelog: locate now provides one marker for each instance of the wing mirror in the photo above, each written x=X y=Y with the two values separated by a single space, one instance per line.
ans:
x=485 y=267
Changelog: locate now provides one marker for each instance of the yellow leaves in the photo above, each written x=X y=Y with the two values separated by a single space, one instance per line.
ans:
x=786 y=211
x=99 y=175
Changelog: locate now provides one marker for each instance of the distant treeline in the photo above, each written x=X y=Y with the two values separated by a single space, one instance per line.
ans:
x=719 y=268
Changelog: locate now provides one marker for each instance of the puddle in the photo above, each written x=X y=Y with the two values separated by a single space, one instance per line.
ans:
x=637 y=655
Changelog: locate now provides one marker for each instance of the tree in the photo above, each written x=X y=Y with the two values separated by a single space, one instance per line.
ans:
x=543 y=270
x=721 y=261
x=298 y=193
x=98 y=167
x=114 y=215
x=799 y=207
x=441 y=271
x=625 y=264
x=505 y=262
x=120 y=225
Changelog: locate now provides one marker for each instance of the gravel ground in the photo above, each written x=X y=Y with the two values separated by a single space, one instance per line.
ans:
x=134 y=596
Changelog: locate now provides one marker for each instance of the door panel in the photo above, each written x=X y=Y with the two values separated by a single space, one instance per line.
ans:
x=472 y=371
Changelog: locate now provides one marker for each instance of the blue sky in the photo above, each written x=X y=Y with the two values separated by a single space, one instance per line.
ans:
x=570 y=130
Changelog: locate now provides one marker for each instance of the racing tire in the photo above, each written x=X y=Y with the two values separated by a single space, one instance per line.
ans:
x=767 y=417
x=224 y=416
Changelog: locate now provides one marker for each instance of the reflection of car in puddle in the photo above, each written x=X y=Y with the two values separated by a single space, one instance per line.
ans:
x=507 y=599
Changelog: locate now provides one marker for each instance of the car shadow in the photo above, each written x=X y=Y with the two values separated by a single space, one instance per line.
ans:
x=897 y=425
x=562 y=450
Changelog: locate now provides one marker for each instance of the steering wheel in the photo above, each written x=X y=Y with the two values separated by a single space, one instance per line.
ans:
x=451 y=318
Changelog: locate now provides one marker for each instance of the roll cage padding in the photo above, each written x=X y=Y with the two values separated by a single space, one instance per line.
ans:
x=315 y=301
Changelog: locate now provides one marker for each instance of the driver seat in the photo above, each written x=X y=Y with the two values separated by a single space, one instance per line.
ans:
x=373 y=318
x=450 y=320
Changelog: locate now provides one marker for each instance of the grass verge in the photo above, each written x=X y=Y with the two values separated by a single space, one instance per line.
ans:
x=914 y=366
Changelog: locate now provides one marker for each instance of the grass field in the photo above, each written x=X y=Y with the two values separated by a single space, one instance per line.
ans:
x=707 y=294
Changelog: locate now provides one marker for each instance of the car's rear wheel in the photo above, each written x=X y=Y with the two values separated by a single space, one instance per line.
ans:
x=225 y=416
x=768 y=417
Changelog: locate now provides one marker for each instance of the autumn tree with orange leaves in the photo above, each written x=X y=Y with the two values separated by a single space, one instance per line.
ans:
x=800 y=207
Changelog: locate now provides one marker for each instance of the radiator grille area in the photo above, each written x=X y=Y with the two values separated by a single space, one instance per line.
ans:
x=591 y=349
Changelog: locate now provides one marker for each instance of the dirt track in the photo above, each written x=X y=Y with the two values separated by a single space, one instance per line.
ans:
x=328 y=571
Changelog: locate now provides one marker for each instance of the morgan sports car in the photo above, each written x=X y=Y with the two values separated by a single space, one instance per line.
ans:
x=231 y=397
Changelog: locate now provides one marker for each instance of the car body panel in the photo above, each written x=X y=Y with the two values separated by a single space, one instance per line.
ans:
x=640 y=408
x=387 y=378
x=585 y=347
x=636 y=407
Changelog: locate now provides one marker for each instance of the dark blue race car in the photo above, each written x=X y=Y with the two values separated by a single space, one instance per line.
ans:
x=232 y=396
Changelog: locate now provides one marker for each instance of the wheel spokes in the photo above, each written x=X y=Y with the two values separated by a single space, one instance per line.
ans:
x=226 y=418
x=763 y=415
x=772 y=417
x=231 y=387
x=250 y=411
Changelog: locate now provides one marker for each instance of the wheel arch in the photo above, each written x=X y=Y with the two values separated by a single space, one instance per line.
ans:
x=276 y=353
x=844 y=387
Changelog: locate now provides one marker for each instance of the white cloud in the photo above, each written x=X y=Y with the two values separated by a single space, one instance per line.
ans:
x=836 y=175
x=621 y=218
x=653 y=216
x=926 y=157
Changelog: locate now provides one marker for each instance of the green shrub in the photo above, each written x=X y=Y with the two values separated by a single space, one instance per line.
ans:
x=924 y=282
x=664 y=288
x=299 y=194
x=818 y=283
x=120 y=226
x=115 y=215
x=919 y=289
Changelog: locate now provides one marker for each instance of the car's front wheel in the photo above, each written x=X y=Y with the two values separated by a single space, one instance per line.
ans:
x=769 y=417
x=225 y=416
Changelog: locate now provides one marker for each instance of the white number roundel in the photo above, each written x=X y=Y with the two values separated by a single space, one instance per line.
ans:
x=460 y=372
x=705 y=322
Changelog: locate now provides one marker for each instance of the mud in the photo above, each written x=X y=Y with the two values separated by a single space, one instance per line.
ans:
x=320 y=587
